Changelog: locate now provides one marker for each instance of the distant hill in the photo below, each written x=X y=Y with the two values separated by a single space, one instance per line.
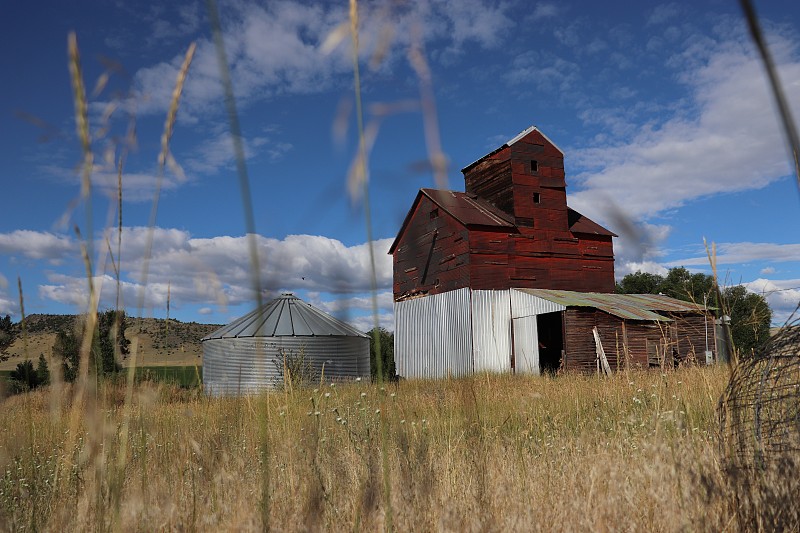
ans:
x=154 y=341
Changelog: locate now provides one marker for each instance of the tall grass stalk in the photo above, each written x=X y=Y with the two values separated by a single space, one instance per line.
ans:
x=364 y=175
x=163 y=158
x=250 y=227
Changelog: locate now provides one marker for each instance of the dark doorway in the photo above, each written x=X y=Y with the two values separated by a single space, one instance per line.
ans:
x=551 y=341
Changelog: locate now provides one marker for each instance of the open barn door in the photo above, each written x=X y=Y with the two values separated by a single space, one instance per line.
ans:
x=526 y=345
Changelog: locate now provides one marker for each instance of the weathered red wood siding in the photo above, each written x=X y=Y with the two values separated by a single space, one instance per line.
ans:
x=579 y=346
x=691 y=337
x=439 y=243
x=543 y=253
x=491 y=180
x=546 y=180
x=625 y=342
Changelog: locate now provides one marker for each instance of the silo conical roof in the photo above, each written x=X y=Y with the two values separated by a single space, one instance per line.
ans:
x=286 y=316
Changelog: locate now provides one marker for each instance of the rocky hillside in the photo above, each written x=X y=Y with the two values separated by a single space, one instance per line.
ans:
x=154 y=341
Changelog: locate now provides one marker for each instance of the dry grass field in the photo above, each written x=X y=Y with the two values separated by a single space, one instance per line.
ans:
x=634 y=452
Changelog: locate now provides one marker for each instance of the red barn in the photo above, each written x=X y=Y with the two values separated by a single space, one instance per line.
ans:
x=512 y=228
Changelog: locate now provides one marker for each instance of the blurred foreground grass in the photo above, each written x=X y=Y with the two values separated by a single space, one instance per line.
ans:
x=636 y=451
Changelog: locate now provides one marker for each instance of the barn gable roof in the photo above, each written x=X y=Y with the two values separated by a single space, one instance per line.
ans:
x=467 y=209
x=286 y=316
x=581 y=224
x=473 y=211
x=626 y=306
x=511 y=141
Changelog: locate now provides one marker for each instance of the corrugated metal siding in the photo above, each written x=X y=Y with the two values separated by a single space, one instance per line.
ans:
x=491 y=331
x=526 y=345
x=432 y=335
x=252 y=364
x=525 y=304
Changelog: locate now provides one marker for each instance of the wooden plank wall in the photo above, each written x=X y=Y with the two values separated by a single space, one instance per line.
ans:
x=627 y=340
x=691 y=337
x=579 y=347
x=439 y=244
x=502 y=261
x=550 y=214
x=491 y=180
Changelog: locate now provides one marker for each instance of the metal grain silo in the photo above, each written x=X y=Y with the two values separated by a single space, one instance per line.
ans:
x=247 y=355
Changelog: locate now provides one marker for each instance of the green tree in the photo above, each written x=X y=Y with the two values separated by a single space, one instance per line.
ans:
x=23 y=378
x=67 y=349
x=6 y=332
x=750 y=318
x=640 y=283
x=42 y=371
x=108 y=338
x=387 y=354
x=683 y=285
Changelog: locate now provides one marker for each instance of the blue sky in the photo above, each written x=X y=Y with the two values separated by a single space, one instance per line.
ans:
x=662 y=110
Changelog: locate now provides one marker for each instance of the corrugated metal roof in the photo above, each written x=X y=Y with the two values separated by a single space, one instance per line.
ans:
x=286 y=316
x=581 y=224
x=627 y=306
x=469 y=210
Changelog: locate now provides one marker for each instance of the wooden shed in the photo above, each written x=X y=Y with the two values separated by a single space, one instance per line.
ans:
x=511 y=228
x=543 y=330
x=635 y=330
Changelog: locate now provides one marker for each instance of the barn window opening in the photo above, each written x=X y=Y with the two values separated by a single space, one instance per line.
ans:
x=435 y=214
x=534 y=165
x=537 y=198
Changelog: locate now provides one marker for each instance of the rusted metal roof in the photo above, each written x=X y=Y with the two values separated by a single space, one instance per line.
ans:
x=581 y=224
x=469 y=209
x=627 y=306
x=286 y=315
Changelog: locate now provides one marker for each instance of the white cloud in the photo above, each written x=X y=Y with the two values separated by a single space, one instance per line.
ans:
x=357 y=310
x=783 y=296
x=216 y=152
x=205 y=311
x=663 y=13
x=544 y=10
x=7 y=305
x=385 y=301
x=366 y=323
x=766 y=271
x=38 y=245
x=276 y=48
x=623 y=268
x=475 y=20
x=745 y=252
x=728 y=140
x=546 y=72
x=214 y=270
x=136 y=186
